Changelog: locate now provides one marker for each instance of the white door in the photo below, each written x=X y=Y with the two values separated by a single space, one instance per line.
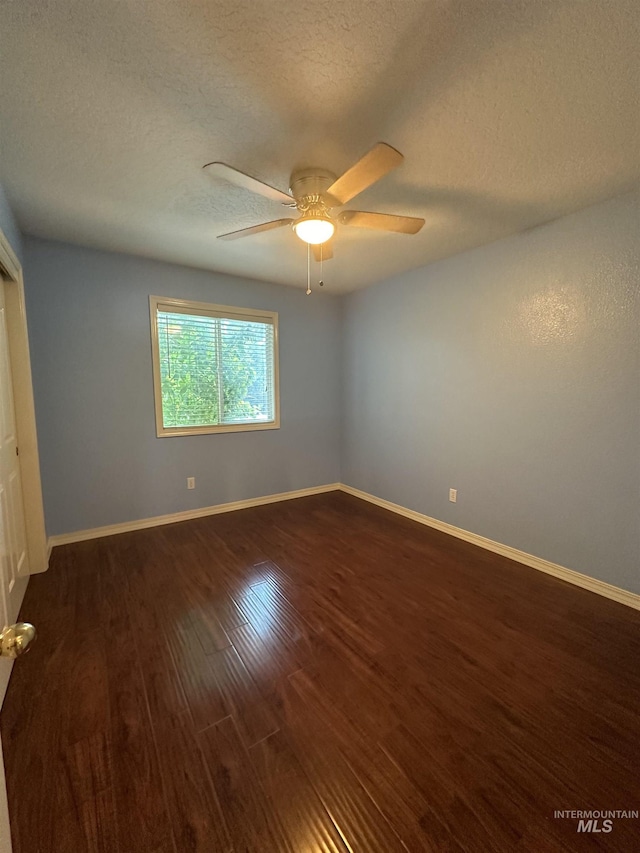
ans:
x=14 y=570
x=17 y=539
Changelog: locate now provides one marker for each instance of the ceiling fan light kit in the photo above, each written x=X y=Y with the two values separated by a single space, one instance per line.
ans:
x=314 y=226
x=314 y=192
x=308 y=188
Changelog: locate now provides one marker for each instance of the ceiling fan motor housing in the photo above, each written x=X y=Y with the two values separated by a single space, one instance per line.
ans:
x=309 y=186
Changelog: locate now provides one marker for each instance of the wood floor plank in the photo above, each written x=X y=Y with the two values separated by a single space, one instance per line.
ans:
x=405 y=808
x=355 y=814
x=69 y=833
x=98 y=820
x=221 y=608
x=88 y=683
x=306 y=822
x=153 y=618
x=253 y=826
x=471 y=819
x=196 y=819
x=137 y=784
x=280 y=609
x=241 y=698
x=197 y=676
x=265 y=658
x=86 y=771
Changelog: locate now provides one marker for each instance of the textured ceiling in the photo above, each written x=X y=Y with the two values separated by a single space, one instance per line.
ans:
x=509 y=113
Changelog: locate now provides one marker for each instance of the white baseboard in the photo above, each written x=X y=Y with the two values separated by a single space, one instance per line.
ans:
x=186 y=515
x=623 y=596
x=615 y=593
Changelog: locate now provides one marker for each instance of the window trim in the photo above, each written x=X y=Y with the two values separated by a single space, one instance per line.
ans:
x=208 y=309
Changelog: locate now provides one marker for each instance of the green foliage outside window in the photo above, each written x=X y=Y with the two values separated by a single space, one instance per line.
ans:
x=211 y=363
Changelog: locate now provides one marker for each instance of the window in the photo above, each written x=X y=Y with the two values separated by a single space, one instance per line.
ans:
x=215 y=368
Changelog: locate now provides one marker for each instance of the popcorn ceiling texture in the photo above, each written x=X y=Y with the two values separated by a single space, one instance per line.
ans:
x=509 y=114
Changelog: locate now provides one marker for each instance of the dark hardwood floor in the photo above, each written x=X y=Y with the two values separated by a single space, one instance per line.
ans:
x=317 y=676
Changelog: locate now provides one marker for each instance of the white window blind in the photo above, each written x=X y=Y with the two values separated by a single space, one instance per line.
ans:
x=215 y=368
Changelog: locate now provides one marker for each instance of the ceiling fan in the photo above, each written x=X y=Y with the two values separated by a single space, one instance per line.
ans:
x=315 y=192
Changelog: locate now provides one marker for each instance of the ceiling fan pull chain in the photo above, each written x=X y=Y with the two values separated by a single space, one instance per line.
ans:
x=321 y=282
x=308 y=269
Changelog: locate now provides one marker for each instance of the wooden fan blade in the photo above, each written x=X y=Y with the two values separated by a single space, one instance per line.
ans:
x=375 y=165
x=381 y=221
x=240 y=179
x=255 y=229
x=323 y=251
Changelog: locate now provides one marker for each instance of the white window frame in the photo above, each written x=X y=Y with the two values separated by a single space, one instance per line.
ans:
x=206 y=309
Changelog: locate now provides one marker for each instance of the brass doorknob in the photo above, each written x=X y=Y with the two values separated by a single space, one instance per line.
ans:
x=16 y=639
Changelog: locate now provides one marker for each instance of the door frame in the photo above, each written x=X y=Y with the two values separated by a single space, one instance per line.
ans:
x=18 y=339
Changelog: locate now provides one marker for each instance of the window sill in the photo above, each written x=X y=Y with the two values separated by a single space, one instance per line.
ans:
x=170 y=432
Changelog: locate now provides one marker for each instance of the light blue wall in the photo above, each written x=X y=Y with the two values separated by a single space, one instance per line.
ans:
x=9 y=226
x=91 y=357
x=512 y=373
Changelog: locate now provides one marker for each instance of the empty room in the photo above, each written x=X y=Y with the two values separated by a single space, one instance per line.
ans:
x=319 y=426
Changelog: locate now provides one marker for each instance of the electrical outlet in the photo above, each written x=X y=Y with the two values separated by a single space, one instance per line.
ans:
x=453 y=495
x=191 y=482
